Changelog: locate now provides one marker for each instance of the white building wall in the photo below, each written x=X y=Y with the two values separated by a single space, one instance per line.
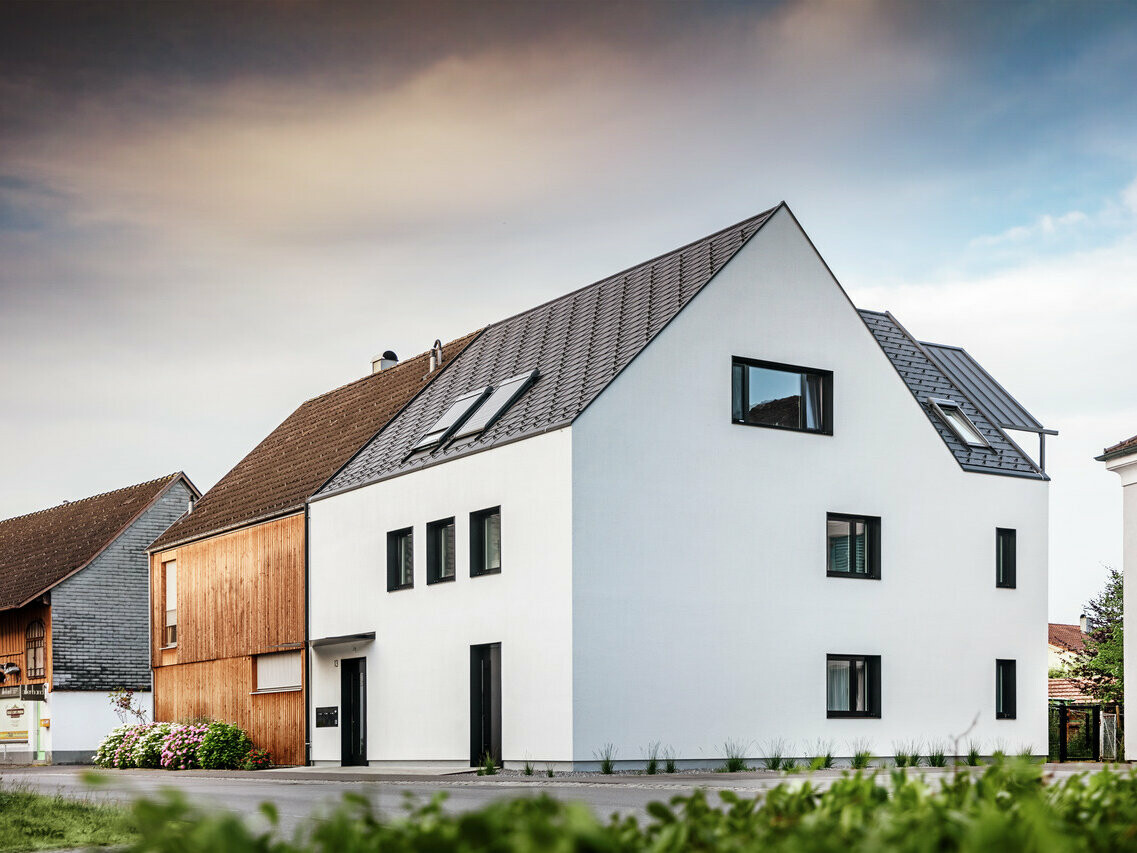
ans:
x=701 y=607
x=418 y=666
x=80 y=719
x=1126 y=468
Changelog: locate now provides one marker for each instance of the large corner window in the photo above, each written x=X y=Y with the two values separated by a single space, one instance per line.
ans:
x=400 y=559
x=781 y=396
x=1005 y=558
x=852 y=546
x=485 y=542
x=170 y=586
x=34 y=640
x=452 y=418
x=1005 y=690
x=958 y=422
x=852 y=685
x=440 y=551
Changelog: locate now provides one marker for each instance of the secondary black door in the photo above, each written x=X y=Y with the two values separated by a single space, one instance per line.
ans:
x=485 y=703
x=353 y=710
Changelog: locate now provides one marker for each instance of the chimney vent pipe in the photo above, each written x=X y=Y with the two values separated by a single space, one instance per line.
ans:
x=384 y=361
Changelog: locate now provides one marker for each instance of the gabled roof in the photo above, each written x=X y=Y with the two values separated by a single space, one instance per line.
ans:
x=1119 y=449
x=1067 y=636
x=1070 y=690
x=925 y=379
x=578 y=343
x=40 y=550
x=284 y=470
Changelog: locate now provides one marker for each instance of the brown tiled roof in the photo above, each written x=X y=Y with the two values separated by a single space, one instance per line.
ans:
x=1119 y=448
x=39 y=550
x=285 y=469
x=1067 y=636
x=1070 y=689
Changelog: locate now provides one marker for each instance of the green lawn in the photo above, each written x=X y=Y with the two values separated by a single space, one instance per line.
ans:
x=30 y=821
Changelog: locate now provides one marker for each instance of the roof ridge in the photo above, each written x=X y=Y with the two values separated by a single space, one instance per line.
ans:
x=628 y=270
x=93 y=497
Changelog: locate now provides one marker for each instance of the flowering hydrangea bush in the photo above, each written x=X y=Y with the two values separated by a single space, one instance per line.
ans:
x=179 y=749
x=147 y=751
x=105 y=754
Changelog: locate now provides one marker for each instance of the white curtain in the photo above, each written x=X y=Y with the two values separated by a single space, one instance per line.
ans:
x=838 y=685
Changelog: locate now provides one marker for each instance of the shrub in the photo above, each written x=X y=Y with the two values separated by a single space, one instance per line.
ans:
x=973 y=754
x=489 y=766
x=775 y=750
x=669 y=760
x=822 y=755
x=936 y=756
x=606 y=754
x=106 y=751
x=179 y=750
x=147 y=750
x=224 y=746
x=906 y=754
x=257 y=759
x=735 y=752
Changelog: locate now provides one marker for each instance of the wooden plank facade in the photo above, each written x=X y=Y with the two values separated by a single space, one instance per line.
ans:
x=239 y=594
x=14 y=642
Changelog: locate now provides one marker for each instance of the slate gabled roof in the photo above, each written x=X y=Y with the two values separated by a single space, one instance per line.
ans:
x=579 y=343
x=925 y=379
x=39 y=550
x=284 y=470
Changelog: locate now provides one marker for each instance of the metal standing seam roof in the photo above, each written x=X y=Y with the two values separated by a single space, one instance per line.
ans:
x=925 y=378
x=981 y=386
x=579 y=343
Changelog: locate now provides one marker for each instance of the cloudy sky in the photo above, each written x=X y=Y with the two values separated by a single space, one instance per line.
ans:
x=210 y=212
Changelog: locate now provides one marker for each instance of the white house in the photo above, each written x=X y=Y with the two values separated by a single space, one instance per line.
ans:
x=703 y=500
x=1122 y=459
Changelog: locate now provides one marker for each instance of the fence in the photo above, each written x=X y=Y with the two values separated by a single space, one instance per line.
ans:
x=1085 y=732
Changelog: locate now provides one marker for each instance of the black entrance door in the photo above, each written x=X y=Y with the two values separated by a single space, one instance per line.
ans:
x=485 y=703
x=353 y=710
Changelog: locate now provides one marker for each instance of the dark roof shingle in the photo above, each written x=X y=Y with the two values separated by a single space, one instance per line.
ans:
x=39 y=550
x=579 y=343
x=925 y=379
x=284 y=470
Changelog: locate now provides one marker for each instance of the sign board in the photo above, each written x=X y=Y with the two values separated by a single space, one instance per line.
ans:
x=328 y=718
x=33 y=692
x=13 y=722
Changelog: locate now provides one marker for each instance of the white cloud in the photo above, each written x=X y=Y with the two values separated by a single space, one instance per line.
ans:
x=1045 y=226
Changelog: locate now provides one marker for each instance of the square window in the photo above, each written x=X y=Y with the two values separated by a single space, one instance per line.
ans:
x=852 y=685
x=1005 y=558
x=781 y=396
x=485 y=542
x=1006 y=692
x=440 y=551
x=400 y=559
x=852 y=546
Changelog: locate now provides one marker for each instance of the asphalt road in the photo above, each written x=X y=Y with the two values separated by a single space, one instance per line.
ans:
x=303 y=795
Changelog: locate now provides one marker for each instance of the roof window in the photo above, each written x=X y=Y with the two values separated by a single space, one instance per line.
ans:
x=452 y=418
x=502 y=398
x=959 y=423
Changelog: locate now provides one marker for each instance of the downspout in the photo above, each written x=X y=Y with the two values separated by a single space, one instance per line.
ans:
x=307 y=648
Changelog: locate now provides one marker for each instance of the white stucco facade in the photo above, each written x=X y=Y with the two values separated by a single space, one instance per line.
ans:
x=1126 y=467
x=664 y=569
x=80 y=719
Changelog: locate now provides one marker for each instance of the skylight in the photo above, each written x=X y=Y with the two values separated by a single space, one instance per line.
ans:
x=502 y=398
x=452 y=418
x=952 y=415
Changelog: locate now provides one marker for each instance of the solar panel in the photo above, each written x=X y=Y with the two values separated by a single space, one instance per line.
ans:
x=452 y=418
x=501 y=399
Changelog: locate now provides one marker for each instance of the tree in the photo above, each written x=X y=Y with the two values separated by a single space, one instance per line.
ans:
x=1099 y=665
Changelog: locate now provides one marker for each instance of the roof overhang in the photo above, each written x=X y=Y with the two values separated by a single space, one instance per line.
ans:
x=344 y=640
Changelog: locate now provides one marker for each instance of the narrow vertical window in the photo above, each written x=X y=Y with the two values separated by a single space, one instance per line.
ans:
x=485 y=542
x=852 y=546
x=852 y=685
x=1006 y=694
x=34 y=637
x=170 y=581
x=1005 y=558
x=440 y=551
x=400 y=559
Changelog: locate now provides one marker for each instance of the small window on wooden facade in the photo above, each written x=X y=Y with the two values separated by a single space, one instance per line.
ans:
x=35 y=640
x=277 y=671
x=170 y=574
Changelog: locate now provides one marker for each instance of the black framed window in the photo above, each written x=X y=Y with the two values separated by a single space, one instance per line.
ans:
x=400 y=559
x=1006 y=692
x=852 y=685
x=1005 y=557
x=782 y=396
x=440 y=551
x=852 y=546
x=485 y=542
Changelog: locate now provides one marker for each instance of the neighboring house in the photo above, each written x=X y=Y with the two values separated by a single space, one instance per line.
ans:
x=73 y=616
x=702 y=500
x=1121 y=458
x=1064 y=644
x=227 y=581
